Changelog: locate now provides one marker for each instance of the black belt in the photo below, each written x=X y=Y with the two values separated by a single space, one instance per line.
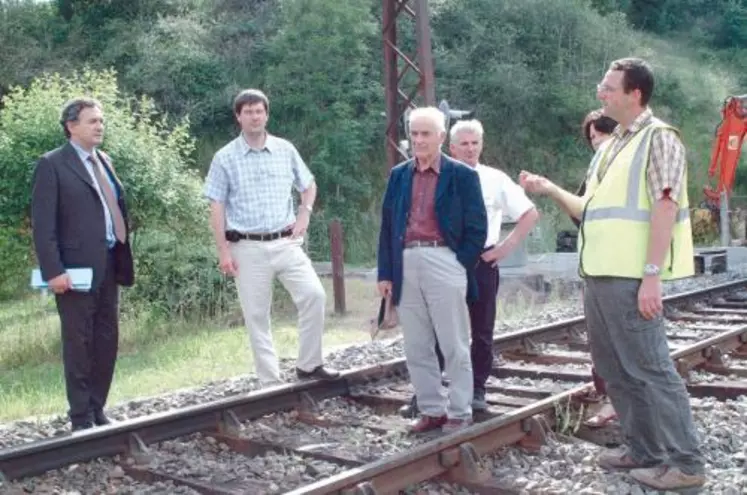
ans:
x=413 y=244
x=236 y=236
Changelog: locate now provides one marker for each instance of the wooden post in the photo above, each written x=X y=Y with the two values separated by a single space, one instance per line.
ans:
x=338 y=262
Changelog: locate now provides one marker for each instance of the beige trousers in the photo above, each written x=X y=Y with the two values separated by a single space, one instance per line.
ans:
x=433 y=305
x=259 y=262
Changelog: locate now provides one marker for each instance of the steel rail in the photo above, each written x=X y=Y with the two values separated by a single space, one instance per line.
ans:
x=426 y=461
x=437 y=457
x=37 y=457
x=118 y=438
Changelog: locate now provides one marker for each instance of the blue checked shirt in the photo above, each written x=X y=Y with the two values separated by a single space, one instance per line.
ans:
x=256 y=185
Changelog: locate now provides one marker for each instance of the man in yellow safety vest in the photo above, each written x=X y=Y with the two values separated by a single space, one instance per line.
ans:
x=634 y=233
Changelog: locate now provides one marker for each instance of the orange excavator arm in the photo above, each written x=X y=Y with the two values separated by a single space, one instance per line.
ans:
x=727 y=147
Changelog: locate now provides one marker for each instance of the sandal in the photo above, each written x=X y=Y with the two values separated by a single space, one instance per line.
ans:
x=603 y=417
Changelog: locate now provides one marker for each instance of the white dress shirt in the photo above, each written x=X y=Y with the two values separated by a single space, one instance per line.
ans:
x=503 y=197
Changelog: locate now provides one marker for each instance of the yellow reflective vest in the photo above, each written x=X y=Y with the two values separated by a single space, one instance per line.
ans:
x=615 y=224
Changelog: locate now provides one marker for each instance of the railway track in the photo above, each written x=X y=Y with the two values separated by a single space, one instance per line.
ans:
x=346 y=437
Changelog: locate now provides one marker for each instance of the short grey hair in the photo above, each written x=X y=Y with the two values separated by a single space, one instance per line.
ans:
x=72 y=108
x=471 y=126
x=431 y=113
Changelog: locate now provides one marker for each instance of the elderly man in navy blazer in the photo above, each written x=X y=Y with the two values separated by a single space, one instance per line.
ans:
x=433 y=230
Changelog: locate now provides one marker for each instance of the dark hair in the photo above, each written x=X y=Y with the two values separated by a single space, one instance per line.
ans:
x=601 y=123
x=250 y=97
x=72 y=108
x=636 y=75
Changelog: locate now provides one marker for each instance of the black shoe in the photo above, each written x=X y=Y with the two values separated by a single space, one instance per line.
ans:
x=319 y=373
x=100 y=419
x=410 y=410
x=82 y=426
x=479 y=403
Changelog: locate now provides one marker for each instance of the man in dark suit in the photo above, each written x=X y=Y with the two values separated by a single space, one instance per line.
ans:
x=433 y=230
x=80 y=221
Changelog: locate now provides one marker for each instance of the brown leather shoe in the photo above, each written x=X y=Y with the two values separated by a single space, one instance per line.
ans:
x=619 y=460
x=667 y=478
x=453 y=425
x=427 y=423
x=318 y=373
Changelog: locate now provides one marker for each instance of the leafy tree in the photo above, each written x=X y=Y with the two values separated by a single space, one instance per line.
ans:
x=529 y=70
x=326 y=97
x=29 y=36
x=177 y=67
x=95 y=12
x=733 y=28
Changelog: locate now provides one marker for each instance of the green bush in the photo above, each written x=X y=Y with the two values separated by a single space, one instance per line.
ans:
x=178 y=276
x=15 y=262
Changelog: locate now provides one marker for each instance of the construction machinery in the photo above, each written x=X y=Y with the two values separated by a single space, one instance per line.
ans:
x=726 y=149
x=715 y=214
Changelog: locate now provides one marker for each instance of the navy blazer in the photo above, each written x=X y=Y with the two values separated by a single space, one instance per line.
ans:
x=460 y=211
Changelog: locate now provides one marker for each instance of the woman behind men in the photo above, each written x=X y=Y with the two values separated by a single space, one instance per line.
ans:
x=597 y=131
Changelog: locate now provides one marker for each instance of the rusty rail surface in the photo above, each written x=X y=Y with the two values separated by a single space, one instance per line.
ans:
x=448 y=454
x=455 y=457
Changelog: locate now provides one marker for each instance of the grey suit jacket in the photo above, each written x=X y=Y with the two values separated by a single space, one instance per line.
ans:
x=69 y=227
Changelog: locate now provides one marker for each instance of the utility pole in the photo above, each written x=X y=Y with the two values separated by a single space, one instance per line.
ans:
x=399 y=98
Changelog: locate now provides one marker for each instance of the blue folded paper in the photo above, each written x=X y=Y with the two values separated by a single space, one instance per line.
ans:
x=80 y=277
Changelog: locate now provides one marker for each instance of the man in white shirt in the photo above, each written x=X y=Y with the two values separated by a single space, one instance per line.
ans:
x=503 y=197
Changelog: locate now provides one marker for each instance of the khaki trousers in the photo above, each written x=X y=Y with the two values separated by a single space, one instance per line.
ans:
x=259 y=262
x=433 y=304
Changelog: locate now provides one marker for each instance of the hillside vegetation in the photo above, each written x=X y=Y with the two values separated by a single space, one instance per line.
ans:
x=527 y=68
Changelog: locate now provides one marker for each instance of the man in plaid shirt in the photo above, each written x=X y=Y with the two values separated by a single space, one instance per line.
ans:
x=259 y=235
x=635 y=231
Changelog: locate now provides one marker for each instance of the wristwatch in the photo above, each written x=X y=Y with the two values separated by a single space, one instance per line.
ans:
x=650 y=269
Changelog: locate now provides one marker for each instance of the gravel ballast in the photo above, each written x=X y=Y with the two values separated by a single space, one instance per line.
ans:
x=560 y=467
x=569 y=466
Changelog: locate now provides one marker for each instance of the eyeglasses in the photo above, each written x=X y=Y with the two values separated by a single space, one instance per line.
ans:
x=603 y=88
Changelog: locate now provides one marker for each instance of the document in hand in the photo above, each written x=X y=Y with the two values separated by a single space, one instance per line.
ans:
x=80 y=277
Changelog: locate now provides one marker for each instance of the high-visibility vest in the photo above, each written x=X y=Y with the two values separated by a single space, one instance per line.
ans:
x=615 y=224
